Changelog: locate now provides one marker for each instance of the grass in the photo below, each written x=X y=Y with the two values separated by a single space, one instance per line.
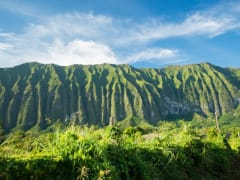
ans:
x=173 y=150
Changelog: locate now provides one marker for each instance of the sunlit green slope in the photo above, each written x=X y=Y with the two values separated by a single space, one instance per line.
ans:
x=36 y=94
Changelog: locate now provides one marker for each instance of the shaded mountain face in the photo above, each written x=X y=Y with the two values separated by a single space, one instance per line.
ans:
x=36 y=94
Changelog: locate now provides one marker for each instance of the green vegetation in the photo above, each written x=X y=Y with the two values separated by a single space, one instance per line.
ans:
x=37 y=95
x=53 y=122
x=171 y=150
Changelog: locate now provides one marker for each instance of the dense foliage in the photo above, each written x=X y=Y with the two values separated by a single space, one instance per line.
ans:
x=172 y=150
x=36 y=94
x=50 y=119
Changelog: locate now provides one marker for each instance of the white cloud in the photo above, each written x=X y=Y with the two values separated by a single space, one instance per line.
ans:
x=86 y=38
x=81 y=52
x=64 y=39
x=196 y=24
x=4 y=46
x=72 y=24
x=20 y=8
x=6 y=35
x=73 y=52
x=153 y=54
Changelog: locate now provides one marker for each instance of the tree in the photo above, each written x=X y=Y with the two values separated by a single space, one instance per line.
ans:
x=217 y=121
x=111 y=121
x=2 y=137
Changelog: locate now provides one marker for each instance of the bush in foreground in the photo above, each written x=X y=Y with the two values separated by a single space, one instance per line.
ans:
x=111 y=153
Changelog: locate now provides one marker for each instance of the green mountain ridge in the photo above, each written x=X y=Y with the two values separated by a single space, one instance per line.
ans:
x=35 y=94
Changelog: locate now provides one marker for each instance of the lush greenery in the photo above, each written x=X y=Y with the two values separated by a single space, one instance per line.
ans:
x=54 y=122
x=171 y=150
x=36 y=94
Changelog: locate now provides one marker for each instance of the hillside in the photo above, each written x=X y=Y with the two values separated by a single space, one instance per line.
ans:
x=36 y=94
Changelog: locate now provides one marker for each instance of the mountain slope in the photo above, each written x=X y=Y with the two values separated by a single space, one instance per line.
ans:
x=36 y=94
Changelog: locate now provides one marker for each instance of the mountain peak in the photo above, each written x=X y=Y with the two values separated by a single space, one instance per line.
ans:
x=37 y=94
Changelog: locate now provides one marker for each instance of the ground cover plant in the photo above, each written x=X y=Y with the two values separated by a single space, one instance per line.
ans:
x=171 y=150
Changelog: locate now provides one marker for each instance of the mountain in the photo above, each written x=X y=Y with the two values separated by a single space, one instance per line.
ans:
x=36 y=94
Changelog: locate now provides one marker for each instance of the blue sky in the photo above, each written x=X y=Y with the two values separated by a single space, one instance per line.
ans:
x=143 y=33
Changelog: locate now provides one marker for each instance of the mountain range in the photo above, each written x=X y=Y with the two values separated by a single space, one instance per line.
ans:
x=34 y=94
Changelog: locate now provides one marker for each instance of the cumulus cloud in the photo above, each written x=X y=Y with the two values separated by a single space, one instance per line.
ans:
x=58 y=52
x=63 y=39
x=81 y=52
x=153 y=54
x=87 y=38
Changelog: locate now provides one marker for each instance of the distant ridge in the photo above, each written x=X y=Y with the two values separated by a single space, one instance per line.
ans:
x=37 y=94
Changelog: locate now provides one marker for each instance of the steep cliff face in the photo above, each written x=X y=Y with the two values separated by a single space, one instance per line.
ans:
x=36 y=94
